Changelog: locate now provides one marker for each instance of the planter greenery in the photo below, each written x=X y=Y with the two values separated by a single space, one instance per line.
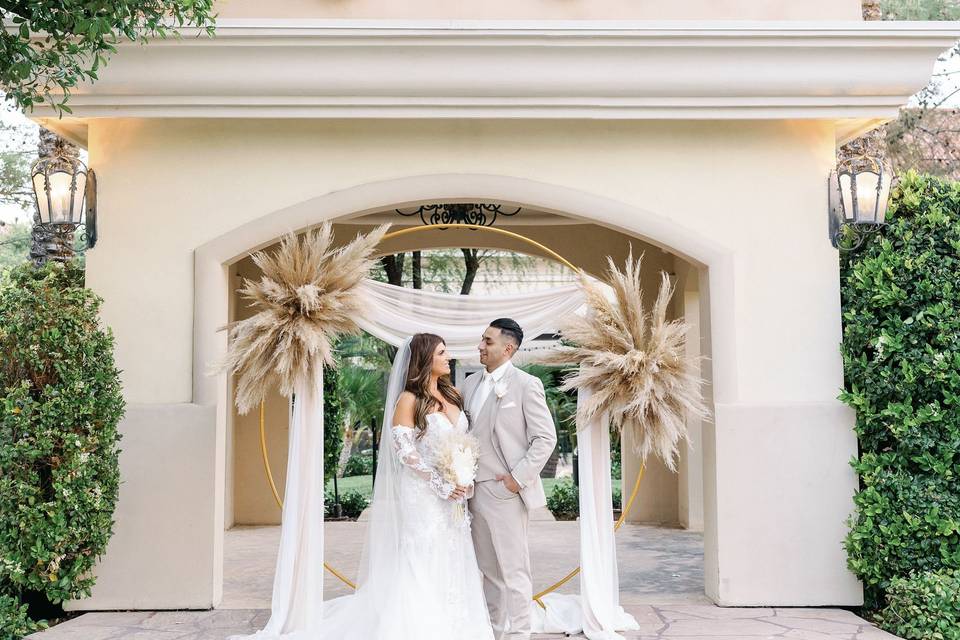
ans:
x=901 y=354
x=60 y=405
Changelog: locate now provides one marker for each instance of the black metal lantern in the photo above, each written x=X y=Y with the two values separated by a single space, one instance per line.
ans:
x=65 y=194
x=859 y=191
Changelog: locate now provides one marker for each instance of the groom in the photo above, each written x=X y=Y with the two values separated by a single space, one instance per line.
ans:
x=509 y=415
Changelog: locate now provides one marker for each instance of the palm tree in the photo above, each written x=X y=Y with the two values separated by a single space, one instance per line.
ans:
x=563 y=408
x=362 y=396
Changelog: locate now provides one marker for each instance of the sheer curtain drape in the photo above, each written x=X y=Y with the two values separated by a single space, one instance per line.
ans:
x=393 y=314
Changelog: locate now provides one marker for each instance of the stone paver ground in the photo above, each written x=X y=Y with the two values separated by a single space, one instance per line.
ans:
x=661 y=578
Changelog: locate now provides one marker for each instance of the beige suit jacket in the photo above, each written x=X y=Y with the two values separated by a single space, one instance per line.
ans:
x=523 y=432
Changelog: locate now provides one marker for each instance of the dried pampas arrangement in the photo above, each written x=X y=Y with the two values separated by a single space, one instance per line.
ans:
x=307 y=294
x=633 y=364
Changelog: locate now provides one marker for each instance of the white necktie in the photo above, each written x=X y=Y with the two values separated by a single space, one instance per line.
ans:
x=480 y=396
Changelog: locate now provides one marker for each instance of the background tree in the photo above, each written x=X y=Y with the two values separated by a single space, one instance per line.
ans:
x=471 y=264
x=392 y=266
x=18 y=149
x=333 y=419
x=563 y=408
x=441 y=269
x=365 y=364
x=362 y=391
x=917 y=9
x=54 y=46
x=458 y=270
x=14 y=244
x=926 y=135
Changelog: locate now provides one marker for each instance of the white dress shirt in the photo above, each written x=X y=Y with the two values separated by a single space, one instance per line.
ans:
x=485 y=386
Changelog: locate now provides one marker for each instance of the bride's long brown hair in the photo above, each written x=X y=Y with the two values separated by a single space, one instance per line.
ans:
x=422 y=348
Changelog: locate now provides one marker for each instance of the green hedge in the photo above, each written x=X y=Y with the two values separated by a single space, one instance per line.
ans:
x=352 y=504
x=901 y=354
x=358 y=465
x=564 y=501
x=14 y=621
x=924 y=606
x=61 y=402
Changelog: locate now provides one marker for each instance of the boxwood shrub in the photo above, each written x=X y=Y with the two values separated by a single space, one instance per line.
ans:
x=923 y=606
x=901 y=355
x=60 y=404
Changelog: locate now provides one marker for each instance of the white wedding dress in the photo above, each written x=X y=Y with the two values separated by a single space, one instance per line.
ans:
x=418 y=577
x=437 y=591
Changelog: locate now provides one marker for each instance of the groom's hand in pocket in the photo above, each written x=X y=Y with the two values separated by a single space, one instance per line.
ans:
x=509 y=482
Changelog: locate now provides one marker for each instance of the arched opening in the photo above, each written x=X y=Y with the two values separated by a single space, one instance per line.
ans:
x=667 y=504
x=580 y=234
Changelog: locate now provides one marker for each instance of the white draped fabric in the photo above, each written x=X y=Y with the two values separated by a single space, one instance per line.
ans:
x=393 y=314
x=295 y=605
x=596 y=611
x=599 y=579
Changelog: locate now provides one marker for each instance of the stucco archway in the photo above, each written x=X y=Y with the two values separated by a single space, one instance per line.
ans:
x=213 y=259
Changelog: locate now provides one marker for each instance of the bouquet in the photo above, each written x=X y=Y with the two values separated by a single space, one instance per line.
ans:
x=457 y=457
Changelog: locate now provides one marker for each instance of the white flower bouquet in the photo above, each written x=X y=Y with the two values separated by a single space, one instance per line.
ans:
x=457 y=457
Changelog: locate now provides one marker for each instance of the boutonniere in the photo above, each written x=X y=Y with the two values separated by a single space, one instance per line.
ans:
x=500 y=389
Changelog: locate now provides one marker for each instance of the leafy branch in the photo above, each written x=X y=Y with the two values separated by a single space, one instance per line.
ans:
x=47 y=48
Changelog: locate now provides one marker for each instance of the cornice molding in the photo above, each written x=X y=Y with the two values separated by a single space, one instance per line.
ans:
x=608 y=70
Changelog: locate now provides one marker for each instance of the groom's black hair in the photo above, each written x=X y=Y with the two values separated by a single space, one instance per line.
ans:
x=509 y=327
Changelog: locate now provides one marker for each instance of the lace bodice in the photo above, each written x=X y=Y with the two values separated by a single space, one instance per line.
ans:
x=418 y=454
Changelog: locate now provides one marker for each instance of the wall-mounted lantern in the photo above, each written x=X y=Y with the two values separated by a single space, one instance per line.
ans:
x=859 y=190
x=65 y=195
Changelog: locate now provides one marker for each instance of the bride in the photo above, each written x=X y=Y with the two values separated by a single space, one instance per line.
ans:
x=419 y=578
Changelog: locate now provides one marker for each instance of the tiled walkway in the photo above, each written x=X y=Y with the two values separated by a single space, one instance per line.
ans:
x=667 y=622
x=661 y=581
x=658 y=565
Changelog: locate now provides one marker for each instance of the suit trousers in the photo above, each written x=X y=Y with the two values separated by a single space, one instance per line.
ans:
x=500 y=538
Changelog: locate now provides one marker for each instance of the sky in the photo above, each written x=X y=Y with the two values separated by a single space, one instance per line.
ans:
x=946 y=73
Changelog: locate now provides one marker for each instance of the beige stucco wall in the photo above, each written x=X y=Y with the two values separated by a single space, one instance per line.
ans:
x=747 y=196
x=687 y=304
x=160 y=556
x=167 y=187
x=548 y=9
x=250 y=497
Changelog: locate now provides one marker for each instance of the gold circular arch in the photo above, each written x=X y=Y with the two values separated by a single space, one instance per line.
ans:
x=502 y=232
x=551 y=253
